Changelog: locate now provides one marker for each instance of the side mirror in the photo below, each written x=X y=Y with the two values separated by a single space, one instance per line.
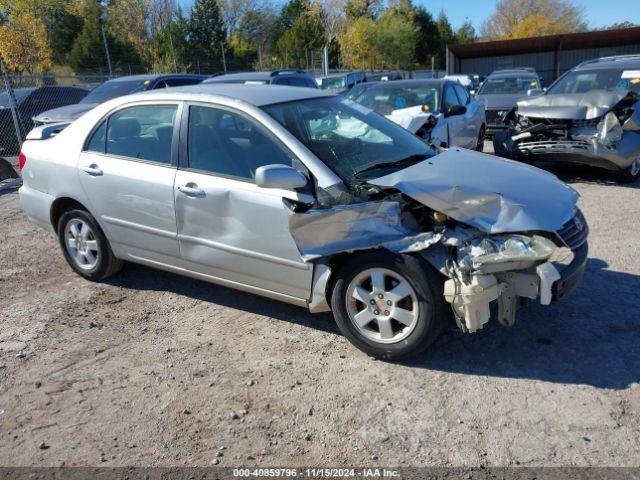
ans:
x=280 y=176
x=456 y=110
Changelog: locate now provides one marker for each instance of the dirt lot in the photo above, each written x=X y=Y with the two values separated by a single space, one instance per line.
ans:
x=154 y=369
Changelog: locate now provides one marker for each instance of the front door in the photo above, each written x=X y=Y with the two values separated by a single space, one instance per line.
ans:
x=127 y=172
x=228 y=227
x=455 y=126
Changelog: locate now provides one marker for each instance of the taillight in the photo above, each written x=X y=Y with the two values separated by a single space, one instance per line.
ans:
x=22 y=160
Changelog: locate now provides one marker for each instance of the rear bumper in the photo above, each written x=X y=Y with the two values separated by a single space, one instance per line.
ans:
x=37 y=206
x=571 y=275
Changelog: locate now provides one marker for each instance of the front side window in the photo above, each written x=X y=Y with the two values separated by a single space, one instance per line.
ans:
x=463 y=94
x=228 y=143
x=144 y=132
x=450 y=98
x=348 y=137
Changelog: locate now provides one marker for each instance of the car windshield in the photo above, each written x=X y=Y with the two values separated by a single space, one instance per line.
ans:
x=387 y=99
x=509 y=85
x=20 y=94
x=581 y=81
x=348 y=137
x=332 y=83
x=115 y=88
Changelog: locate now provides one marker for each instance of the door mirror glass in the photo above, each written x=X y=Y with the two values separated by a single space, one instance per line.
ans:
x=280 y=176
x=456 y=110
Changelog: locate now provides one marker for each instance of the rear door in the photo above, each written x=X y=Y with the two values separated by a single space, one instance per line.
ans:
x=228 y=227
x=127 y=169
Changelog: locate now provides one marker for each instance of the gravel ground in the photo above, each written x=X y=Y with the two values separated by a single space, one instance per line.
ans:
x=154 y=369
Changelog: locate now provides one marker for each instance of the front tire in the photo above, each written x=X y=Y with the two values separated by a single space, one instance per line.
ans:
x=481 y=136
x=629 y=174
x=85 y=246
x=389 y=306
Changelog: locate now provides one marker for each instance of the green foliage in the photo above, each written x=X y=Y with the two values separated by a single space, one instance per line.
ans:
x=205 y=32
x=304 y=34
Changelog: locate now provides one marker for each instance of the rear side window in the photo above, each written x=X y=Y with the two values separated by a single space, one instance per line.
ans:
x=97 y=141
x=176 y=82
x=144 y=132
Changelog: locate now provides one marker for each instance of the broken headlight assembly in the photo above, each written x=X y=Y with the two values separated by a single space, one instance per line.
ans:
x=504 y=252
x=609 y=130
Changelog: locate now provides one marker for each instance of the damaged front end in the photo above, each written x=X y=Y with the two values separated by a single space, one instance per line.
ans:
x=501 y=233
x=599 y=128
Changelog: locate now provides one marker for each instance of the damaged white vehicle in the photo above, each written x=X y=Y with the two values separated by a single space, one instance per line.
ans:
x=442 y=112
x=268 y=190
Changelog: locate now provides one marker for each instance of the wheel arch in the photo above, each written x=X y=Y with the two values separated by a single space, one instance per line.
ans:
x=61 y=205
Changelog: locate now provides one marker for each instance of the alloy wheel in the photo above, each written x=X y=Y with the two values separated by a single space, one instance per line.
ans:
x=382 y=305
x=81 y=244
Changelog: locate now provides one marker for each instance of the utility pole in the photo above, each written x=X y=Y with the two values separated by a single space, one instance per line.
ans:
x=173 y=54
x=106 y=49
x=224 y=61
x=325 y=60
x=433 y=67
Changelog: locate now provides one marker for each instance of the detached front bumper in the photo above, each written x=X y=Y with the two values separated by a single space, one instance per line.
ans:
x=571 y=275
x=586 y=152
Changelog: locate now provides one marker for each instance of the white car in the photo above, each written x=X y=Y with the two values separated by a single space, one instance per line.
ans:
x=440 y=111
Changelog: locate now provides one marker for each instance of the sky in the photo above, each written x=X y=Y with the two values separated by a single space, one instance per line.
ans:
x=599 y=13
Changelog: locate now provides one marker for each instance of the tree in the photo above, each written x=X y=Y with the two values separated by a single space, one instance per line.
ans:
x=205 y=31
x=526 y=18
x=330 y=14
x=88 y=48
x=466 y=33
x=233 y=11
x=354 y=9
x=304 y=35
x=619 y=25
x=357 y=43
x=395 y=38
x=428 y=38
x=256 y=27
x=23 y=44
x=57 y=16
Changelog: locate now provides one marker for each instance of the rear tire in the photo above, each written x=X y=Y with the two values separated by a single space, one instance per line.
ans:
x=389 y=306
x=629 y=174
x=85 y=246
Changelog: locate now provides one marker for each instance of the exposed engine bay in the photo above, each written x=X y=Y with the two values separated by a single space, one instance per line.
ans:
x=490 y=247
x=598 y=128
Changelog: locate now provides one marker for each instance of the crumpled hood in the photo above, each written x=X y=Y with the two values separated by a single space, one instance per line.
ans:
x=411 y=118
x=68 y=113
x=571 y=106
x=490 y=193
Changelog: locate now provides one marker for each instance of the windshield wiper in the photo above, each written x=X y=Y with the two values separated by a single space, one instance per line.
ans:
x=411 y=159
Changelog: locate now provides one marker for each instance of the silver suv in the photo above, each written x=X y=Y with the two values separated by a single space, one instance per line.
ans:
x=308 y=198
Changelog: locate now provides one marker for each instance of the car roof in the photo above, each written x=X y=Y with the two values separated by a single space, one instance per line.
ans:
x=257 y=95
x=413 y=83
x=512 y=73
x=342 y=74
x=621 y=61
x=155 y=76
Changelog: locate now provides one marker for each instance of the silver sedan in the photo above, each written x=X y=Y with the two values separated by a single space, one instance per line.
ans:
x=308 y=198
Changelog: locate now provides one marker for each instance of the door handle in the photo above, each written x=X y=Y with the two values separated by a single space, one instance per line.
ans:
x=191 y=189
x=92 y=169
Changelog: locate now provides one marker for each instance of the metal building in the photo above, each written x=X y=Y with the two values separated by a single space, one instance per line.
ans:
x=551 y=55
